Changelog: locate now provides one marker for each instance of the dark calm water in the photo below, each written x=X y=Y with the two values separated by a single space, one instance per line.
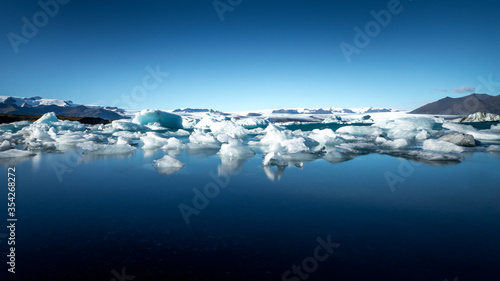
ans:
x=107 y=214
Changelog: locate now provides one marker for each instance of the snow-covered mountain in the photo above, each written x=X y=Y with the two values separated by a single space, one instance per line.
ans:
x=333 y=110
x=35 y=101
x=39 y=106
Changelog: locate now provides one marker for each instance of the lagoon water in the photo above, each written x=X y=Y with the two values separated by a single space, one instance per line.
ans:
x=107 y=217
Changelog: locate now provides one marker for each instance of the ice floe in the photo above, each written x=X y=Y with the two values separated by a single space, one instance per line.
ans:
x=168 y=165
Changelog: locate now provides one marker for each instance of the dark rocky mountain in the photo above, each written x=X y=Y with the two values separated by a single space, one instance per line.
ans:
x=76 y=111
x=462 y=106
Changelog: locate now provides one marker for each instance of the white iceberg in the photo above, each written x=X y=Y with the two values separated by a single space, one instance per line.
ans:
x=47 y=118
x=481 y=117
x=125 y=125
x=391 y=144
x=441 y=146
x=361 y=131
x=468 y=129
x=252 y=123
x=493 y=148
x=168 y=165
x=200 y=137
x=235 y=149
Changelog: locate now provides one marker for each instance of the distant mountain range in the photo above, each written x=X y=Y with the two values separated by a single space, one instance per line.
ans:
x=39 y=106
x=333 y=110
x=462 y=106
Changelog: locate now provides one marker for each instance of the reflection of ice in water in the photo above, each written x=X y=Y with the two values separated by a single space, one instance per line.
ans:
x=229 y=165
x=272 y=175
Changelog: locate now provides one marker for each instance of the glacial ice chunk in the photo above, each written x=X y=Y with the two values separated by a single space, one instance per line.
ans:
x=165 y=119
x=235 y=149
x=493 y=148
x=229 y=128
x=210 y=119
x=325 y=137
x=153 y=140
x=360 y=131
x=460 y=139
x=252 y=123
x=441 y=146
x=168 y=165
x=47 y=118
x=392 y=144
x=468 y=129
x=126 y=125
x=5 y=145
x=407 y=127
x=199 y=137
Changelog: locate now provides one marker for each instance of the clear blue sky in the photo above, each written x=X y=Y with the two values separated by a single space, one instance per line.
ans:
x=264 y=54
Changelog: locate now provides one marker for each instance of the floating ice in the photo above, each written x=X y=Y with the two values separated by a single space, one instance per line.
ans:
x=47 y=118
x=335 y=156
x=164 y=119
x=493 y=148
x=228 y=128
x=407 y=128
x=210 y=119
x=168 y=165
x=422 y=135
x=441 y=146
x=468 y=129
x=459 y=139
x=283 y=141
x=481 y=117
x=325 y=137
x=5 y=145
x=15 y=153
x=235 y=149
x=252 y=123
x=125 y=125
x=14 y=126
x=360 y=131
x=393 y=144
x=199 y=137
x=153 y=140
x=336 y=119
